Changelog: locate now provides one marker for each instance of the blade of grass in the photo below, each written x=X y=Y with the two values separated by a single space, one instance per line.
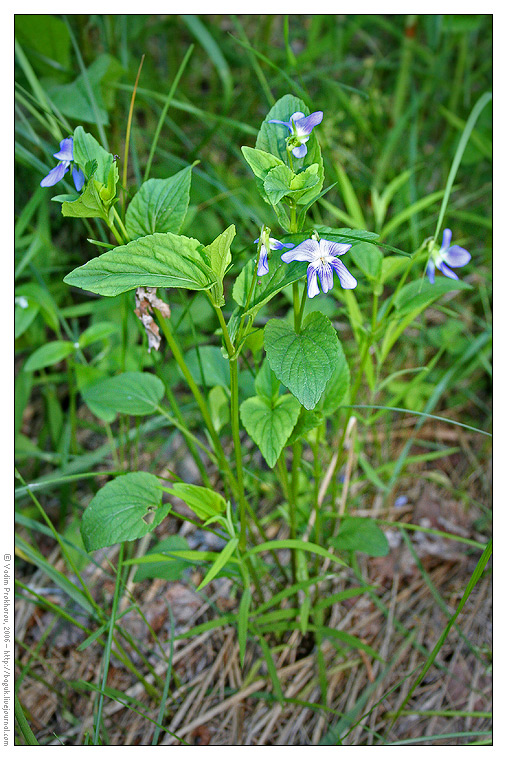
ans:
x=165 y=109
x=471 y=121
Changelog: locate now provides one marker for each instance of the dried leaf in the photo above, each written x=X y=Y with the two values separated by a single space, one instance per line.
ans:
x=146 y=301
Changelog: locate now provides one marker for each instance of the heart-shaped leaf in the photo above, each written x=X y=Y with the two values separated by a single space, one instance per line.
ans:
x=270 y=423
x=303 y=361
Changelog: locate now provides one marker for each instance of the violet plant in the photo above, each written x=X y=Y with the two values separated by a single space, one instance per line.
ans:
x=302 y=374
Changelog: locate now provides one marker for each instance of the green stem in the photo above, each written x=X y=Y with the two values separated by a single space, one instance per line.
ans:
x=224 y=465
x=189 y=437
x=284 y=479
x=109 y=643
x=121 y=225
x=233 y=364
x=298 y=319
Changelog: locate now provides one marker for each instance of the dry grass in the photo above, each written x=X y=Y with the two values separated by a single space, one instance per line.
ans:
x=212 y=700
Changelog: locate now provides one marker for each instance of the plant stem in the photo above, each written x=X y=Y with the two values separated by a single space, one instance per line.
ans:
x=201 y=402
x=233 y=366
x=284 y=478
x=107 y=652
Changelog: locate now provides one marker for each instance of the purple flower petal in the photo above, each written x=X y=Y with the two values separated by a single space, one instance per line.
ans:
x=300 y=151
x=445 y=270
x=285 y=123
x=305 y=125
x=337 y=249
x=66 y=152
x=305 y=251
x=326 y=277
x=347 y=280
x=55 y=175
x=263 y=262
x=446 y=239
x=276 y=245
x=457 y=256
x=297 y=116
x=430 y=271
x=78 y=177
x=311 y=276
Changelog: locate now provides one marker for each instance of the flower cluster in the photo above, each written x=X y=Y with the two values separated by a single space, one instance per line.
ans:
x=448 y=256
x=65 y=157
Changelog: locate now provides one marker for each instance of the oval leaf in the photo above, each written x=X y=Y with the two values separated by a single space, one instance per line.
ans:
x=161 y=260
x=126 y=508
x=50 y=354
x=361 y=534
x=130 y=393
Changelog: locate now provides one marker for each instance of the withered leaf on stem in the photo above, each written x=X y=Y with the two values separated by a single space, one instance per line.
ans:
x=146 y=301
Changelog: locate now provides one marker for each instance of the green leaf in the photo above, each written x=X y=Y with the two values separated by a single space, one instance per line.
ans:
x=87 y=149
x=219 y=254
x=172 y=568
x=279 y=276
x=47 y=35
x=305 y=186
x=420 y=293
x=89 y=205
x=134 y=393
x=260 y=162
x=218 y=564
x=36 y=293
x=126 y=508
x=345 y=234
x=25 y=311
x=244 y=609
x=270 y=423
x=160 y=260
x=392 y=266
x=96 y=332
x=87 y=375
x=272 y=137
x=307 y=421
x=73 y=99
x=337 y=387
x=368 y=258
x=361 y=534
x=266 y=382
x=203 y=501
x=50 y=354
x=296 y=543
x=160 y=205
x=303 y=361
x=219 y=407
x=277 y=183
x=215 y=368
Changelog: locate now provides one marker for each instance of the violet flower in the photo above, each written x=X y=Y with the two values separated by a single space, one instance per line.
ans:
x=448 y=256
x=268 y=244
x=66 y=157
x=300 y=127
x=321 y=256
